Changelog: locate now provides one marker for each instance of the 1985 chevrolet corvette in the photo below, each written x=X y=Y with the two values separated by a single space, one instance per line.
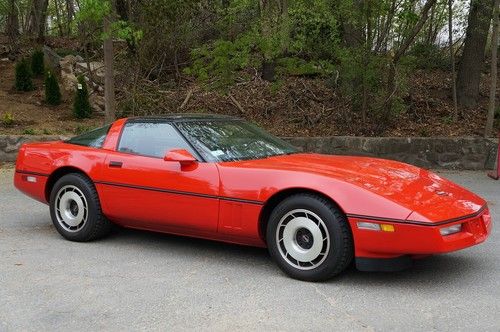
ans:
x=221 y=178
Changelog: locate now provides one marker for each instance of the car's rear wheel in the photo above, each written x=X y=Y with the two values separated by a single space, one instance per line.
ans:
x=309 y=238
x=75 y=209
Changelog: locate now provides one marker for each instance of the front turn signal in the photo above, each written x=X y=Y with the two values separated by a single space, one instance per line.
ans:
x=387 y=228
x=375 y=227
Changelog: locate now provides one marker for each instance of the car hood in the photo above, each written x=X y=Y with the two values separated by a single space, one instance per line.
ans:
x=430 y=197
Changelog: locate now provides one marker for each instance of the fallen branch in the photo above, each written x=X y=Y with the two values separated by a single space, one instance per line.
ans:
x=188 y=96
x=236 y=103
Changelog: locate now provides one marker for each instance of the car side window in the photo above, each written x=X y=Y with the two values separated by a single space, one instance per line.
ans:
x=152 y=139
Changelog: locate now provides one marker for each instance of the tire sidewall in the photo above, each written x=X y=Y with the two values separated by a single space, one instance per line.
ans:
x=93 y=207
x=333 y=224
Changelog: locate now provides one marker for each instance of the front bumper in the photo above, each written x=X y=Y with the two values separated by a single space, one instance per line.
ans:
x=416 y=241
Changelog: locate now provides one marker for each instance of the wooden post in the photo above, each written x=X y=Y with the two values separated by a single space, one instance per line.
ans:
x=495 y=174
x=109 y=80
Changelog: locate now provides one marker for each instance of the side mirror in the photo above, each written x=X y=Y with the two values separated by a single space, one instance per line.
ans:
x=181 y=156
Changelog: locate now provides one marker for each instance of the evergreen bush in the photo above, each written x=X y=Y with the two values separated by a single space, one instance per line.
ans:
x=37 y=64
x=52 y=91
x=23 y=76
x=81 y=105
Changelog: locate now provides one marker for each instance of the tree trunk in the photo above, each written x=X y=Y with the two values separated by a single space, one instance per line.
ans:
x=38 y=19
x=43 y=22
x=469 y=68
x=414 y=31
x=382 y=41
x=430 y=30
x=391 y=80
x=70 y=13
x=407 y=42
x=122 y=10
x=273 y=23
x=109 y=80
x=58 y=18
x=452 y=60
x=493 y=87
x=12 y=26
x=353 y=33
x=366 y=58
x=268 y=70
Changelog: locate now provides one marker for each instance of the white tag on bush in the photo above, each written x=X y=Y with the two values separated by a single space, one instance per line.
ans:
x=80 y=86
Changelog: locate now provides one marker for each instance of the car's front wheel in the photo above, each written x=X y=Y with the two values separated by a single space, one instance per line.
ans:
x=309 y=238
x=75 y=209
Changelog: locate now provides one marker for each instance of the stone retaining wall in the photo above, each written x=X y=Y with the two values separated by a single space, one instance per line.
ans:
x=428 y=152
x=9 y=144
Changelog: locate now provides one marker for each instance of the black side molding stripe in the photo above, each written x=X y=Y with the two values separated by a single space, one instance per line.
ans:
x=31 y=173
x=414 y=222
x=178 y=192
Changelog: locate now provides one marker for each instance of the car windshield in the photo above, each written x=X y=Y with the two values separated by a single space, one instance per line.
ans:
x=232 y=140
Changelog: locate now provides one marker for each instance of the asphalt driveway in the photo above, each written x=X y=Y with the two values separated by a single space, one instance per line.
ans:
x=139 y=280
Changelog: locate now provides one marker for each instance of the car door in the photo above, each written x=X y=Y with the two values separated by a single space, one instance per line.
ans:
x=140 y=189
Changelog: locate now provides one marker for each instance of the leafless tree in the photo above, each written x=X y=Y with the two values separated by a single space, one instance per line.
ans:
x=109 y=79
x=452 y=60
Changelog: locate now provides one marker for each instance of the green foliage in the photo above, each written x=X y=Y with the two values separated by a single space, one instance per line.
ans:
x=62 y=52
x=80 y=129
x=300 y=67
x=314 y=29
x=425 y=56
x=92 y=11
x=81 y=104
x=275 y=87
x=52 y=92
x=348 y=42
x=170 y=30
x=222 y=60
x=37 y=64
x=8 y=119
x=29 y=131
x=24 y=80
x=362 y=73
x=126 y=31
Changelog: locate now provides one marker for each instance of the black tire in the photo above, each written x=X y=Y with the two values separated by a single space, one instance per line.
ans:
x=94 y=224
x=336 y=255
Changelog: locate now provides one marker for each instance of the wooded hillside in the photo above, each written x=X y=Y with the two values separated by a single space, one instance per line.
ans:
x=297 y=67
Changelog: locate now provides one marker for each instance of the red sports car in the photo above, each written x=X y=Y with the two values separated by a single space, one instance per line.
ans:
x=221 y=178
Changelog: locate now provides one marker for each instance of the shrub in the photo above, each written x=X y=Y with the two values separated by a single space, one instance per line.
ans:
x=52 y=92
x=425 y=56
x=300 y=67
x=29 y=131
x=222 y=60
x=37 y=65
x=23 y=76
x=81 y=105
x=80 y=129
x=8 y=119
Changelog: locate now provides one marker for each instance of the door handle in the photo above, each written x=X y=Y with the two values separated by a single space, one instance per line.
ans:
x=117 y=164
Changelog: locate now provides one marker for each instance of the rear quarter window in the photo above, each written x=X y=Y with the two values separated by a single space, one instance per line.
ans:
x=94 y=138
